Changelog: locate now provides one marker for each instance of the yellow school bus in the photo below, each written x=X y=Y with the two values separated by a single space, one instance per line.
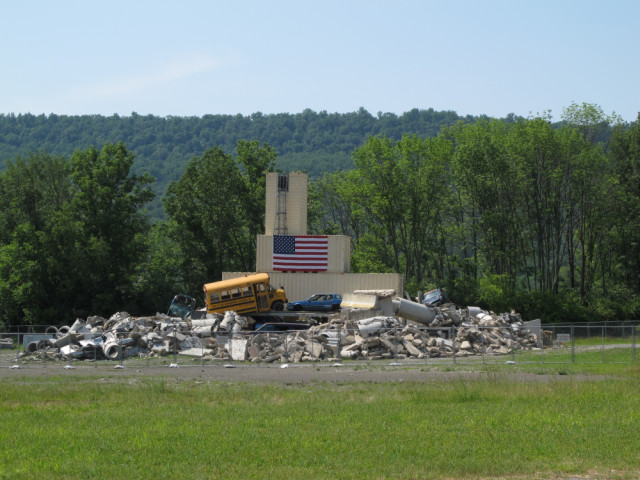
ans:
x=248 y=294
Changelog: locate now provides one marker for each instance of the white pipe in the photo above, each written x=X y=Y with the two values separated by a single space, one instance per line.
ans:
x=413 y=311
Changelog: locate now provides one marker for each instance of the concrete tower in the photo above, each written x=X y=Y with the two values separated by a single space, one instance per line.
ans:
x=286 y=204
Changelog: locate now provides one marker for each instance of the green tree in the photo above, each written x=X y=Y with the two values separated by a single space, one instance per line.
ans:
x=33 y=192
x=625 y=264
x=107 y=201
x=160 y=276
x=393 y=201
x=206 y=208
x=590 y=120
x=329 y=212
x=482 y=177
x=21 y=275
x=257 y=160
x=593 y=197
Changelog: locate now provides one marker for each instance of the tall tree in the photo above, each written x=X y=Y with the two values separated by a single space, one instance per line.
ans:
x=625 y=157
x=401 y=190
x=207 y=211
x=107 y=201
x=591 y=121
x=33 y=193
x=31 y=190
x=257 y=160
x=593 y=195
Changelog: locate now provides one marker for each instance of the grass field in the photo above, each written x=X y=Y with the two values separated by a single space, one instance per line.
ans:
x=572 y=425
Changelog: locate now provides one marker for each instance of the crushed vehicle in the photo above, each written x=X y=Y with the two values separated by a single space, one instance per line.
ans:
x=320 y=302
x=435 y=298
x=182 y=306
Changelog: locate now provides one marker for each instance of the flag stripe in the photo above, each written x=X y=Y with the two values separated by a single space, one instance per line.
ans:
x=300 y=253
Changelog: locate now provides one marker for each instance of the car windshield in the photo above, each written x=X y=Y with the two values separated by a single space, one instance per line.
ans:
x=431 y=295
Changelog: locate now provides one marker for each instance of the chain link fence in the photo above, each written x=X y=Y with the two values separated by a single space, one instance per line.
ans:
x=44 y=347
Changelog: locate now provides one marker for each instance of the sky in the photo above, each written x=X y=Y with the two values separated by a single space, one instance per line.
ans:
x=198 y=57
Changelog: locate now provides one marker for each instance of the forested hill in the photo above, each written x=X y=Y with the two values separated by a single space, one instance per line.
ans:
x=316 y=142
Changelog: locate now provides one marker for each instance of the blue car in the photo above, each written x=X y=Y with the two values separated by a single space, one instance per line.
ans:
x=320 y=302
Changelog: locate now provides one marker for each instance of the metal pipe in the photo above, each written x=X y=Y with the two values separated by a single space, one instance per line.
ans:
x=413 y=311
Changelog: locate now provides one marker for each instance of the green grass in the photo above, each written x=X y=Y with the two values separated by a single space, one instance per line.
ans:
x=134 y=428
x=597 y=341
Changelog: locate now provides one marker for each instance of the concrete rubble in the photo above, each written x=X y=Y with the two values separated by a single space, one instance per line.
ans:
x=349 y=334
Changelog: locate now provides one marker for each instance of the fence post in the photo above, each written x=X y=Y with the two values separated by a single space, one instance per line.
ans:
x=603 y=335
x=454 y=334
x=633 y=344
x=286 y=348
x=395 y=343
x=121 y=359
x=573 y=343
x=175 y=347
x=426 y=352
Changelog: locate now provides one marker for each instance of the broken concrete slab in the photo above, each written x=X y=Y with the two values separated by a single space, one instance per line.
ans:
x=196 y=352
x=451 y=331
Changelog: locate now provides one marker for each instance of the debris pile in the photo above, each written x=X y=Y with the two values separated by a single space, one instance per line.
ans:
x=452 y=332
x=123 y=336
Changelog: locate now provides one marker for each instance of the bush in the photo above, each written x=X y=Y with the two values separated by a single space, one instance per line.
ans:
x=550 y=307
x=618 y=303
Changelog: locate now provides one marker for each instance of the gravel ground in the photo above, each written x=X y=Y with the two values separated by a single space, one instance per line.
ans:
x=290 y=375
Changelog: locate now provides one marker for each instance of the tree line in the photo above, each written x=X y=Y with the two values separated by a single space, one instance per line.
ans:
x=519 y=215
x=507 y=214
x=75 y=240
x=316 y=142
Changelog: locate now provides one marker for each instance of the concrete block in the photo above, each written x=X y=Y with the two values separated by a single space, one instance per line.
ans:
x=411 y=348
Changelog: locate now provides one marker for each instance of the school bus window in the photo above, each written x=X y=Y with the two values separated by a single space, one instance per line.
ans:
x=246 y=291
x=225 y=295
x=214 y=297
x=235 y=293
x=260 y=287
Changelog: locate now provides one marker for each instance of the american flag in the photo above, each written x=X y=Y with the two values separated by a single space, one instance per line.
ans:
x=306 y=253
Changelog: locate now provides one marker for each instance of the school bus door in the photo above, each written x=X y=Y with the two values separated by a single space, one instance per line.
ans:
x=261 y=297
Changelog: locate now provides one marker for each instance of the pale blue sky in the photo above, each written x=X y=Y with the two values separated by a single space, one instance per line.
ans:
x=194 y=57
